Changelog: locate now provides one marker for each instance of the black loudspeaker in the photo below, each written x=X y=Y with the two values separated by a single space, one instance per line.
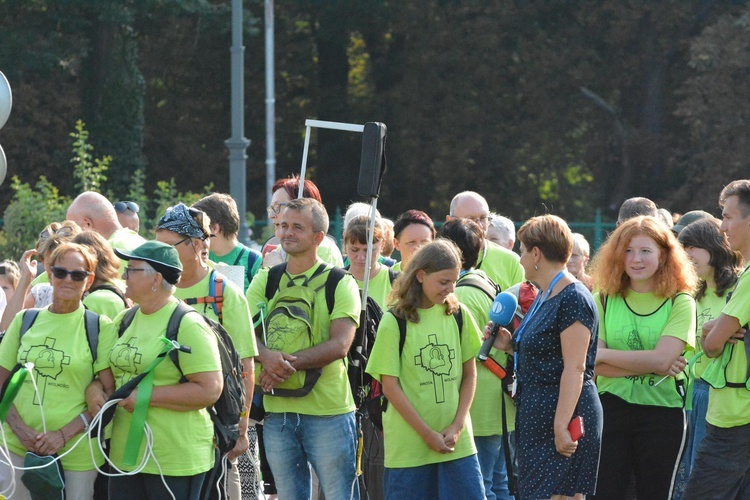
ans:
x=372 y=164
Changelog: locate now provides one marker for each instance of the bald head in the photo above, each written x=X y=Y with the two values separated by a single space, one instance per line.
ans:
x=470 y=205
x=93 y=211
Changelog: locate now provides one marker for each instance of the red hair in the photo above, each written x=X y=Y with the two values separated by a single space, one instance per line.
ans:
x=291 y=186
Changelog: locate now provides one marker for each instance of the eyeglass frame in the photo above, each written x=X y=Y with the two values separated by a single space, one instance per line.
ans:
x=271 y=211
x=126 y=272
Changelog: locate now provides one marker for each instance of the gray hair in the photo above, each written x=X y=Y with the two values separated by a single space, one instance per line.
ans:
x=504 y=226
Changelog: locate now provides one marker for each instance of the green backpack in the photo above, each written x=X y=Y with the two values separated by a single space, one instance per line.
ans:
x=291 y=325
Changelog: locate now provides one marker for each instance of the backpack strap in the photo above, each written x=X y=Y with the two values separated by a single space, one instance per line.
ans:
x=112 y=289
x=29 y=317
x=274 y=278
x=91 y=324
x=173 y=328
x=127 y=319
x=254 y=261
x=459 y=317
x=215 y=295
x=392 y=274
x=335 y=275
x=239 y=257
x=489 y=287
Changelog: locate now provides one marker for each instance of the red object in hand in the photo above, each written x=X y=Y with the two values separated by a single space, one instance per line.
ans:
x=494 y=367
x=575 y=428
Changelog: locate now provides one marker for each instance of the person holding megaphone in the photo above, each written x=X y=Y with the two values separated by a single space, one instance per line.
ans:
x=555 y=353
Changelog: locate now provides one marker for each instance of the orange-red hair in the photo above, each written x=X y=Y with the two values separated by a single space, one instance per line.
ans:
x=675 y=272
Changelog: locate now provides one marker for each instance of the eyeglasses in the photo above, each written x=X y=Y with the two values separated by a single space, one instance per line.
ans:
x=183 y=240
x=275 y=209
x=61 y=273
x=128 y=270
x=482 y=219
x=62 y=231
x=121 y=206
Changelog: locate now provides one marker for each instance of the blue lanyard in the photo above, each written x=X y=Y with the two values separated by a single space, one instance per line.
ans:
x=534 y=308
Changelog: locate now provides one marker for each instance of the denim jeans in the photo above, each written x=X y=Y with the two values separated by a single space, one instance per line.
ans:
x=491 y=458
x=696 y=422
x=328 y=443
x=459 y=478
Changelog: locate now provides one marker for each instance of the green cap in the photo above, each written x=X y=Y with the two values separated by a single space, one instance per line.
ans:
x=162 y=257
x=689 y=217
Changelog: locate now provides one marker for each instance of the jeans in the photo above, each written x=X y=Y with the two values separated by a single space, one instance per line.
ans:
x=696 y=422
x=328 y=443
x=442 y=481
x=491 y=456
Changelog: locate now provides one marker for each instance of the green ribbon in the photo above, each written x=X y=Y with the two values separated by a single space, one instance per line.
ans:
x=142 y=402
x=13 y=386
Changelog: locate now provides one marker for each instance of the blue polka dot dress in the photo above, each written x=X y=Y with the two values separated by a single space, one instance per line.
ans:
x=542 y=471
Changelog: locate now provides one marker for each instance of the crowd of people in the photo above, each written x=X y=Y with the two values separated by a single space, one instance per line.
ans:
x=621 y=373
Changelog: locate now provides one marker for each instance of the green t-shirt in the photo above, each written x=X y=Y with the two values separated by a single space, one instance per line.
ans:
x=331 y=395
x=485 y=408
x=42 y=278
x=64 y=367
x=637 y=323
x=430 y=371
x=708 y=308
x=239 y=257
x=125 y=240
x=730 y=406
x=328 y=252
x=501 y=265
x=379 y=287
x=104 y=302
x=397 y=267
x=183 y=440
x=235 y=312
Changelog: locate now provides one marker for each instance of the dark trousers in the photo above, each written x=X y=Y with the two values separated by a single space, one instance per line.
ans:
x=644 y=441
x=722 y=466
x=151 y=487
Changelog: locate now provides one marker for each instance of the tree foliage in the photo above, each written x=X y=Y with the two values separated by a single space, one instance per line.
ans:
x=476 y=95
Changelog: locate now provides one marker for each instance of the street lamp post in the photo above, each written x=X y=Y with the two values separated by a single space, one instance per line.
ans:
x=237 y=144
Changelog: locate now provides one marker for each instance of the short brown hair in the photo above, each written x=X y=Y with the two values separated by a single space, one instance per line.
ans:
x=550 y=234
x=358 y=228
x=740 y=189
x=222 y=210
x=318 y=211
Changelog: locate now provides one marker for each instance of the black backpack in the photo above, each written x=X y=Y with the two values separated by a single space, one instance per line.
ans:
x=225 y=412
x=360 y=381
x=485 y=284
x=90 y=323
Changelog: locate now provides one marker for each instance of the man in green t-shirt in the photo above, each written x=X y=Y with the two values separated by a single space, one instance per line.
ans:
x=500 y=264
x=225 y=226
x=318 y=427
x=722 y=466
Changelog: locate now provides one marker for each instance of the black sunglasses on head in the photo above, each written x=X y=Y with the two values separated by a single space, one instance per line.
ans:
x=121 y=206
x=61 y=273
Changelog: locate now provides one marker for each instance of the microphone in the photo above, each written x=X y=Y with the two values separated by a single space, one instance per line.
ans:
x=501 y=314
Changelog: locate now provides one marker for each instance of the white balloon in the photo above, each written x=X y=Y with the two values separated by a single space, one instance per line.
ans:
x=6 y=99
x=3 y=165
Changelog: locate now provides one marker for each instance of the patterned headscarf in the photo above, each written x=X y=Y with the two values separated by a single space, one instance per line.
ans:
x=180 y=219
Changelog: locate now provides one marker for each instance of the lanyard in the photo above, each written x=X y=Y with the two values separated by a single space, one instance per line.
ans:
x=534 y=308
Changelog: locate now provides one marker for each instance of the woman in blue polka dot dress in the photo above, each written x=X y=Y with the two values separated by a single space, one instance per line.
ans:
x=555 y=350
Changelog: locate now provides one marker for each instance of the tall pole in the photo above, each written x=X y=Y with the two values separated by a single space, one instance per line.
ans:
x=237 y=144
x=270 y=105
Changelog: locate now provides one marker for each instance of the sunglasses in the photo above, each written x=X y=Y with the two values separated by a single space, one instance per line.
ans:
x=61 y=273
x=121 y=206
x=63 y=231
